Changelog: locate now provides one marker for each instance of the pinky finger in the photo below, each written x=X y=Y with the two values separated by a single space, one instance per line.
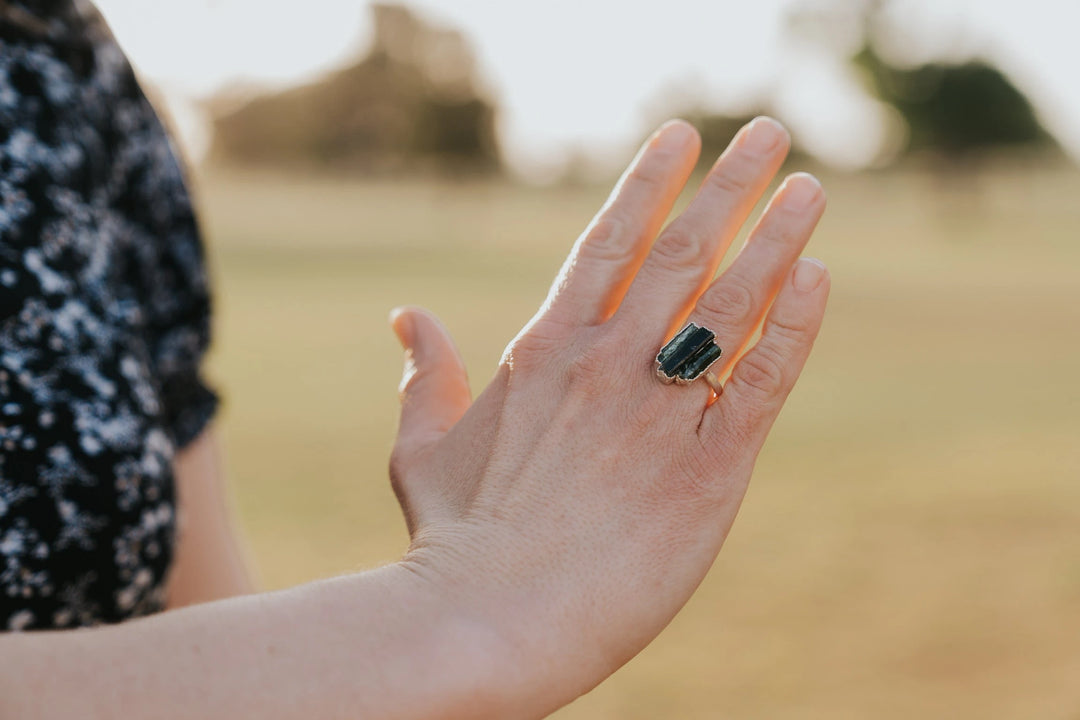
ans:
x=763 y=377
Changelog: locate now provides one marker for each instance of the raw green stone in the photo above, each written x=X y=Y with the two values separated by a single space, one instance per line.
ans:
x=700 y=362
x=690 y=341
x=674 y=344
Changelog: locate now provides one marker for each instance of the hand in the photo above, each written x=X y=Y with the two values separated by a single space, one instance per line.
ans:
x=574 y=507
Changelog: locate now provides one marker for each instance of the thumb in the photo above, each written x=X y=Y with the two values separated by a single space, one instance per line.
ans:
x=434 y=389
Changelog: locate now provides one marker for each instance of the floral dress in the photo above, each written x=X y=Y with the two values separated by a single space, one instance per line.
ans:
x=105 y=315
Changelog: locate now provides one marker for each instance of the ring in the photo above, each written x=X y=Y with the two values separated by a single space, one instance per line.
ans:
x=688 y=356
x=714 y=383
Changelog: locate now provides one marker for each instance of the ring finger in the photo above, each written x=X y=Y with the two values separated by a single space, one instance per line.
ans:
x=736 y=302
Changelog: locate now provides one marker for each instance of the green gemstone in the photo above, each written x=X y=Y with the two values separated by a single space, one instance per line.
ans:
x=700 y=362
x=668 y=351
x=685 y=345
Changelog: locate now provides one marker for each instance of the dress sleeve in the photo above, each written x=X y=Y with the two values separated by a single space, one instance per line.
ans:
x=167 y=251
x=172 y=263
x=178 y=330
x=82 y=147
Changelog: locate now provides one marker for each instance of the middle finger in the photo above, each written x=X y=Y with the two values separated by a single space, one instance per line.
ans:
x=685 y=256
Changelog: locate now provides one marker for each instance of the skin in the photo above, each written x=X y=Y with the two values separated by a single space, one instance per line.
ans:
x=558 y=522
x=209 y=563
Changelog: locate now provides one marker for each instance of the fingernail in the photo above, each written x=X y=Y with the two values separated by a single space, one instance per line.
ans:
x=801 y=190
x=675 y=133
x=809 y=272
x=763 y=134
x=401 y=323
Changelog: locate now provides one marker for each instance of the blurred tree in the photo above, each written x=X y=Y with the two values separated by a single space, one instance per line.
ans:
x=412 y=104
x=957 y=110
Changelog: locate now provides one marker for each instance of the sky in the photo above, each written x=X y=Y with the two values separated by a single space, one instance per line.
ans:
x=587 y=75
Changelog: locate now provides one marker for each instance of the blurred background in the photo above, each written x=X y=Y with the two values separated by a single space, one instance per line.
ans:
x=910 y=546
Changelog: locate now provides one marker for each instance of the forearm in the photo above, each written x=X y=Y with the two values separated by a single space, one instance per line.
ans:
x=378 y=644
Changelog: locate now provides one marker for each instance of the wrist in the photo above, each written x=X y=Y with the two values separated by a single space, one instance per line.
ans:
x=517 y=639
x=474 y=669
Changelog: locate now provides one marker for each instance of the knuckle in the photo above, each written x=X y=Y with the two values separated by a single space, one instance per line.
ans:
x=524 y=355
x=536 y=346
x=762 y=370
x=731 y=178
x=729 y=304
x=785 y=226
x=680 y=247
x=646 y=174
x=789 y=331
x=605 y=241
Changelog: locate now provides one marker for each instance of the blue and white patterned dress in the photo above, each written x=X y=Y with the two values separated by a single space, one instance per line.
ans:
x=105 y=318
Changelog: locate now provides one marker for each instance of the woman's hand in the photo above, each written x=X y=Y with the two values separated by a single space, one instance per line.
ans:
x=558 y=523
x=577 y=503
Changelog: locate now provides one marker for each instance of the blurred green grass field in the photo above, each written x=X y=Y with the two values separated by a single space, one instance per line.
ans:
x=910 y=545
